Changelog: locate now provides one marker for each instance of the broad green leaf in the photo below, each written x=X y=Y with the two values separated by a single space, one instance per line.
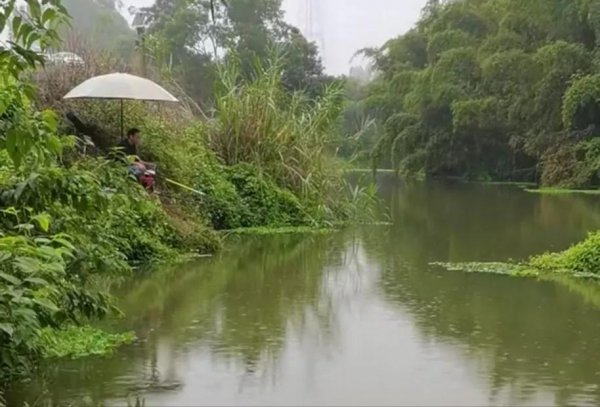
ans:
x=2 y=21
x=46 y=304
x=19 y=191
x=43 y=221
x=43 y=240
x=27 y=265
x=48 y=15
x=7 y=328
x=24 y=32
x=35 y=10
x=32 y=38
x=54 y=144
x=11 y=279
x=64 y=242
x=11 y=147
x=37 y=281
x=16 y=24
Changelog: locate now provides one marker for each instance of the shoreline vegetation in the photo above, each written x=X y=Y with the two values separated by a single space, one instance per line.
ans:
x=71 y=219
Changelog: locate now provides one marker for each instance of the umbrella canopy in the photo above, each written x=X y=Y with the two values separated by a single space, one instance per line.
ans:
x=120 y=86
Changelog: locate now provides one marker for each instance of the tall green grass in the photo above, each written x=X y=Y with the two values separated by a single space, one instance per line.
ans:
x=265 y=158
x=286 y=136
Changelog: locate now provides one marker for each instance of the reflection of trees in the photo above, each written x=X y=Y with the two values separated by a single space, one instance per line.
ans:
x=529 y=335
x=240 y=305
x=269 y=285
x=471 y=222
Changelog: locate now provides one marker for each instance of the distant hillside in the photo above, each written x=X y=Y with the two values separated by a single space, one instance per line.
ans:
x=100 y=23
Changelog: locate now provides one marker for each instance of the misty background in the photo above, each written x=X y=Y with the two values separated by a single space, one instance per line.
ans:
x=341 y=27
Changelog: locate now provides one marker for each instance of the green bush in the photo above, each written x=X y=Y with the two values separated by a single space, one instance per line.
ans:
x=111 y=218
x=265 y=204
x=583 y=257
x=61 y=224
x=242 y=194
x=38 y=290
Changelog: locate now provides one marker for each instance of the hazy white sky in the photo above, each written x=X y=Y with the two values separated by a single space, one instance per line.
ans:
x=346 y=25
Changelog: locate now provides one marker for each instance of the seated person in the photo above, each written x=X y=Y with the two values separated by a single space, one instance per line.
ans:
x=140 y=170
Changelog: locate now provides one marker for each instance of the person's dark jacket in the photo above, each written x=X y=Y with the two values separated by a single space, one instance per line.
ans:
x=127 y=148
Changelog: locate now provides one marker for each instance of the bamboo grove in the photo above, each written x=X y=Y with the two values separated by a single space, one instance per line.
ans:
x=492 y=90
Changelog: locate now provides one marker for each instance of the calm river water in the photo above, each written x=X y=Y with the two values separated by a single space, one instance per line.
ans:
x=358 y=317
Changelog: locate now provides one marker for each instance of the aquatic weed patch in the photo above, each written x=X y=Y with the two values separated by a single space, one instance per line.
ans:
x=508 y=269
x=581 y=260
x=77 y=342
x=263 y=231
x=308 y=230
x=562 y=191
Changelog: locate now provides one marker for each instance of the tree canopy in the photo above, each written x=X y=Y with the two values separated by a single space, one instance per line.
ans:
x=189 y=37
x=492 y=89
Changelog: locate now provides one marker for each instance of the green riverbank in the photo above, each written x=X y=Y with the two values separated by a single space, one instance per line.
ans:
x=71 y=218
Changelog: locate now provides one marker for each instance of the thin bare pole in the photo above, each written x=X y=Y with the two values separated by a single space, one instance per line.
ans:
x=122 y=126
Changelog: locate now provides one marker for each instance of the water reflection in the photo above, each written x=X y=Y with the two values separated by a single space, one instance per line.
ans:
x=526 y=334
x=358 y=317
x=237 y=307
x=472 y=222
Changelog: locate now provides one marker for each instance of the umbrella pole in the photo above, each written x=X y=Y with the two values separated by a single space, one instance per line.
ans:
x=122 y=129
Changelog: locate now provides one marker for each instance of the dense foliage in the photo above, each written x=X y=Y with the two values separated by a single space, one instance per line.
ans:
x=493 y=89
x=183 y=33
x=63 y=221
x=582 y=258
x=265 y=158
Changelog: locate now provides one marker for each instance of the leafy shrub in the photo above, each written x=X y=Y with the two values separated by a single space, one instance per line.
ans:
x=265 y=203
x=38 y=290
x=583 y=257
x=60 y=223
x=111 y=218
x=245 y=193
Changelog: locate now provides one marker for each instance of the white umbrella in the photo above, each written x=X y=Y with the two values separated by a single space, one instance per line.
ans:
x=120 y=86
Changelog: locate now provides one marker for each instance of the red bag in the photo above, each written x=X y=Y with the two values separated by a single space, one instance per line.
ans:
x=147 y=181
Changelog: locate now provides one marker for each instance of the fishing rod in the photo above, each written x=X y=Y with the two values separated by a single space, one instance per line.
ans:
x=180 y=185
x=152 y=173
